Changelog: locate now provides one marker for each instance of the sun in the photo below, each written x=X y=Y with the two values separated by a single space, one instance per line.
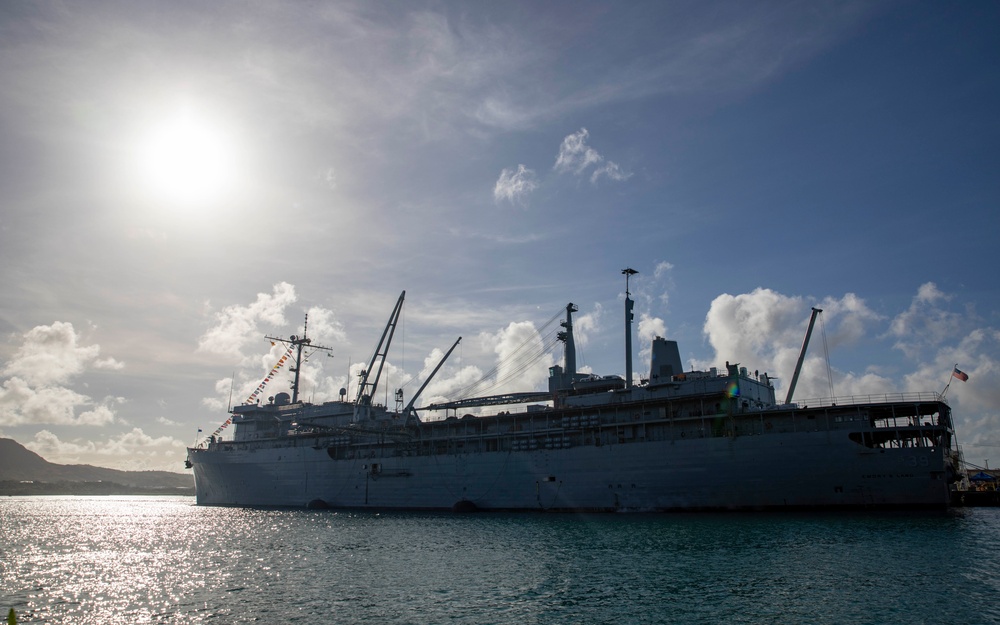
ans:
x=186 y=160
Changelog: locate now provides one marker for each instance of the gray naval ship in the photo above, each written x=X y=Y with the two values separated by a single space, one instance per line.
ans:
x=679 y=440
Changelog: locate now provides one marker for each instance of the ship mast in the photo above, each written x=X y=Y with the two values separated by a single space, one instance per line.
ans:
x=567 y=338
x=299 y=342
x=628 y=272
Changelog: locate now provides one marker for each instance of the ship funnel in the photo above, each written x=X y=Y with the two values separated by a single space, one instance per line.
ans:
x=665 y=361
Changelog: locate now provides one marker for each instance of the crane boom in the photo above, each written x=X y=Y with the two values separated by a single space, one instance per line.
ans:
x=366 y=389
x=802 y=355
x=409 y=406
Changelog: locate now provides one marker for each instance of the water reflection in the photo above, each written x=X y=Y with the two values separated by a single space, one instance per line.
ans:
x=162 y=559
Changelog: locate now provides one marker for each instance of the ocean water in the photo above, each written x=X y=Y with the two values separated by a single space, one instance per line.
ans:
x=112 y=560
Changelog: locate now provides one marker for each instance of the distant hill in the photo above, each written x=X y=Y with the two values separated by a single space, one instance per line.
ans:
x=19 y=465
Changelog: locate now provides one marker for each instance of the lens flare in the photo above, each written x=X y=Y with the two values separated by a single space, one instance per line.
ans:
x=732 y=390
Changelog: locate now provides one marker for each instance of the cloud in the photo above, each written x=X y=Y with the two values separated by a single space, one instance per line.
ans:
x=37 y=391
x=586 y=324
x=974 y=403
x=763 y=330
x=519 y=238
x=109 y=363
x=223 y=387
x=575 y=156
x=651 y=293
x=448 y=383
x=499 y=111
x=664 y=273
x=924 y=324
x=324 y=327
x=514 y=186
x=131 y=450
x=422 y=67
x=650 y=327
x=20 y=403
x=936 y=339
x=314 y=383
x=237 y=325
x=51 y=355
x=522 y=364
x=612 y=171
x=329 y=177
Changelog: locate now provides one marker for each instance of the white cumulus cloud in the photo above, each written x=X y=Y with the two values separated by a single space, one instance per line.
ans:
x=237 y=325
x=51 y=355
x=40 y=373
x=587 y=324
x=130 y=450
x=763 y=331
x=519 y=367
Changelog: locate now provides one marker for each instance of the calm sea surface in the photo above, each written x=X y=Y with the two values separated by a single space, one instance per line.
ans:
x=164 y=560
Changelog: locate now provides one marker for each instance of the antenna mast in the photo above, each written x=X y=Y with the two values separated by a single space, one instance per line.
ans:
x=628 y=272
x=300 y=342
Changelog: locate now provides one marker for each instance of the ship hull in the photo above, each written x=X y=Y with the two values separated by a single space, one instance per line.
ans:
x=818 y=469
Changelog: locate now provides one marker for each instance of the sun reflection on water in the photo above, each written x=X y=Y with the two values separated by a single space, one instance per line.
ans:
x=124 y=560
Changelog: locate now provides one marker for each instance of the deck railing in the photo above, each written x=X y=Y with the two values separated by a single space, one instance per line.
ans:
x=876 y=398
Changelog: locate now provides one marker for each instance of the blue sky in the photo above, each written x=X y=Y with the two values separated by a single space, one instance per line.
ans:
x=178 y=181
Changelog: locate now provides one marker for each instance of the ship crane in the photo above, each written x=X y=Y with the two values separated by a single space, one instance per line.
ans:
x=409 y=410
x=802 y=354
x=367 y=385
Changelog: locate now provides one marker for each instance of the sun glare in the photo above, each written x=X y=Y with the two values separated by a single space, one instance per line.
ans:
x=186 y=160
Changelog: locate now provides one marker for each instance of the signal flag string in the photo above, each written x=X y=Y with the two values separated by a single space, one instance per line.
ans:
x=260 y=387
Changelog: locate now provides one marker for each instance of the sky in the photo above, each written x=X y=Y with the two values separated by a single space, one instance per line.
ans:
x=179 y=180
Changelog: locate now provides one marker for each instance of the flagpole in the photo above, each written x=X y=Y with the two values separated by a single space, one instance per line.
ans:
x=951 y=376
